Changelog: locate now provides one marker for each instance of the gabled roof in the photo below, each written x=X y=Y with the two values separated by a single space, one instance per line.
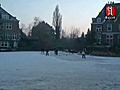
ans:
x=3 y=11
x=102 y=12
x=101 y=15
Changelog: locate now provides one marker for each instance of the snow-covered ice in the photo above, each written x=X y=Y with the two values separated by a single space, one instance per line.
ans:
x=35 y=71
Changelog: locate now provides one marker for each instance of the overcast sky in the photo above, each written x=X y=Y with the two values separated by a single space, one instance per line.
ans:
x=77 y=13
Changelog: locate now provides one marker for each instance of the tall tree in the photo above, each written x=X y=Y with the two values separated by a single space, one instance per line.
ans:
x=57 y=22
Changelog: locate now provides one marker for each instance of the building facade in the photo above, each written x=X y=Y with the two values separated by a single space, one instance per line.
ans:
x=9 y=31
x=107 y=32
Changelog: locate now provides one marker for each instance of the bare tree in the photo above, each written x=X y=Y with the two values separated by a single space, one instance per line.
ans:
x=57 y=21
x=30 y=26
x=23 y=27
x=65 y=33
x=33 y=24
x=74 y=32
x=36 y=21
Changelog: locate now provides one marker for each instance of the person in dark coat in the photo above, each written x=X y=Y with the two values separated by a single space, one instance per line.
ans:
x=47 y=52
x=56 y=51
x=42 y=51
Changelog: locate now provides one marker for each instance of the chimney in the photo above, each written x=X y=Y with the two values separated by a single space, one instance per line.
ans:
x=111 y=2
x=93 y=19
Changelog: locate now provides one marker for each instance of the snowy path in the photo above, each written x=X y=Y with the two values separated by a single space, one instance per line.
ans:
x=35 y=71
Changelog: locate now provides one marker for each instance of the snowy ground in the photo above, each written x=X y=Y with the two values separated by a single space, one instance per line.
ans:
x=35 y=71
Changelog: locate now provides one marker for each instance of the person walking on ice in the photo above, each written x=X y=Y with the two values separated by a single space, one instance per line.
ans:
x=83 y=54
x=47 y=52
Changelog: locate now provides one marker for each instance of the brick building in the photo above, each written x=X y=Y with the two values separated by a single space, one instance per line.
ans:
x=9 y=30
x=107 y=32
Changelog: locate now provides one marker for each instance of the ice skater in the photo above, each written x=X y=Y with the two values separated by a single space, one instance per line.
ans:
x=56 y=51
x=42 y=51
x=83 y=55
x=47 y=52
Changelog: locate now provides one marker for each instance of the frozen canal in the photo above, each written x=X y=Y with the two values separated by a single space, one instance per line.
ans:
x=35 y=71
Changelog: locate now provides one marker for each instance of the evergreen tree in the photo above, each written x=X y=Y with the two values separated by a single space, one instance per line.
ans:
x=83 y=35
x=90 y=37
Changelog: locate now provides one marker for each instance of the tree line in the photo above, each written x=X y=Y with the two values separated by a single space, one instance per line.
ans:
x=43 y=36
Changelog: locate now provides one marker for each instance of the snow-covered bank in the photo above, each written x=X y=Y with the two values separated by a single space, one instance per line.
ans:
x=35 y=71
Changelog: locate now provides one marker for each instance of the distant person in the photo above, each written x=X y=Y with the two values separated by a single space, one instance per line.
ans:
x=56 y=51
x=47 y=52
x=83 y=54
x=42 y=51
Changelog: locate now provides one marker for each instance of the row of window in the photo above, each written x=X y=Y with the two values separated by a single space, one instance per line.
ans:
x=4 y=44
x=8 y=36
x=99 y=28
x=6 y=26
x=109 y=39
x=7 y=44
x=5 y=16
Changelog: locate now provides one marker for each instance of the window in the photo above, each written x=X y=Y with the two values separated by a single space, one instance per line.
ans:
x=7 y=36
x=99 y=39
x=4 y=44
x=99 y=28
x=1 y=25
x=109 y=27
x=98 y=20
x=14 y=36
x=1 y=35
x=118 y=38
x=9 y=26
x=5 y=16
x=15 y=44
x=119 y=27
x=109 y=39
